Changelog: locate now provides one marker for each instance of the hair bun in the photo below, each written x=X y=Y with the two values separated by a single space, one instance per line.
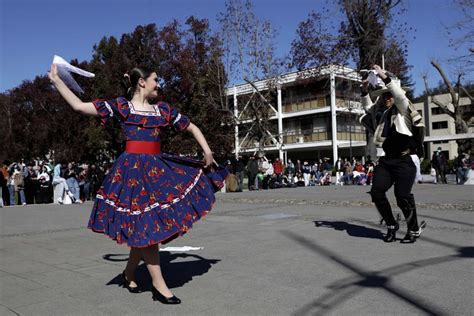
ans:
x=126 y=79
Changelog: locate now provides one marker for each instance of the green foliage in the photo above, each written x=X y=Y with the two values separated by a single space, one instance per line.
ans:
x=36 y=120
x=425 y=166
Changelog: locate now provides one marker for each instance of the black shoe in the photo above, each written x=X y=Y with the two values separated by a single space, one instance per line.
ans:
x=126 y=284
x=391 y=233
x=408 y=239
x=412 y=236
x=157 y=296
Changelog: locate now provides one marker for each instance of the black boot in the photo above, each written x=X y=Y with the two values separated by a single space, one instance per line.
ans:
x=391 y=233
x=412 y=236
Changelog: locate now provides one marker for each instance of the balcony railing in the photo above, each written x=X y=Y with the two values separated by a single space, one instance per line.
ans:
x=309 y=138
x=306 y=138
x=354 y=136
x=304 y=104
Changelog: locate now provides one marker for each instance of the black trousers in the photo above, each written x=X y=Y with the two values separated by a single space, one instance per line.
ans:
x=251 y=183
x=401 y=173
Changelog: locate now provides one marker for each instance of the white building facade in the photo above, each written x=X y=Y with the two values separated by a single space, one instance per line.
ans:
x=313 y=115
x=440 y=127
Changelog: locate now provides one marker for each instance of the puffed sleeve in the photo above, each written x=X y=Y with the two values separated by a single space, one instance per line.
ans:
x=109 y=109
x=179 y=121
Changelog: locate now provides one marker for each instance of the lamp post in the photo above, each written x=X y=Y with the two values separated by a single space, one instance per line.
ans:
x=350 y=131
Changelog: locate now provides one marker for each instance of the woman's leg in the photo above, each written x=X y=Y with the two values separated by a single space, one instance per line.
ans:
x=22 y=196
x=76 y=190
x=11 y=190
x=133 y=260
x=151 y=256
x=87 y=191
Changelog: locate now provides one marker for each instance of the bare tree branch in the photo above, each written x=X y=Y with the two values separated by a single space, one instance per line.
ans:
x=467 y=93
x=433 y=99
x=455 y=99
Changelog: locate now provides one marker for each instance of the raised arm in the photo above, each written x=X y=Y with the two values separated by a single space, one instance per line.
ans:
x=365 y=99
x=193 y=129
x=79 y=106
x=401 y=100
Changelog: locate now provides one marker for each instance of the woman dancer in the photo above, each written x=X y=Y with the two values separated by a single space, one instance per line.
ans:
x=148 y=197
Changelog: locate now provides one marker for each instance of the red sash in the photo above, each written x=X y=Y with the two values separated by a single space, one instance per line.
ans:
x=141 y=147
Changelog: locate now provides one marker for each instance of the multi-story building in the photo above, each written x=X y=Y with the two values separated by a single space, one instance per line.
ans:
x=312 y=115
x=440 y=127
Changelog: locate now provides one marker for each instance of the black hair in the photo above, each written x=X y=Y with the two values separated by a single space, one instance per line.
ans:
x=386 y=95
x=130 y=80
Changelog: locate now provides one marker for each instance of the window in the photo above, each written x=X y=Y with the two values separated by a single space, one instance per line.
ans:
x=307 y=126
x=436 y=111
x=440 y=125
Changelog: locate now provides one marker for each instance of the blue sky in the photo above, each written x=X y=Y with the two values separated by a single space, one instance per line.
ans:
x=32 y=31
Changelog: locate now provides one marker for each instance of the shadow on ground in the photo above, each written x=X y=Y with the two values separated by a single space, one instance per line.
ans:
x=176 y=273
x=346 y=288
x=351 y=229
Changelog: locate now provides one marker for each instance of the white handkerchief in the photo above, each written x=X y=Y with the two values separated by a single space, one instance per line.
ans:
x=64 y=72
x=374 y=80
x=181 y=249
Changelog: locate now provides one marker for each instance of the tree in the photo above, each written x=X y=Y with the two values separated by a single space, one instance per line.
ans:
x=365 y=33
x=38 y=121
x=462 y=115
x=249 y=45
x=185 y=61
x=461 y=36
x=192 y=71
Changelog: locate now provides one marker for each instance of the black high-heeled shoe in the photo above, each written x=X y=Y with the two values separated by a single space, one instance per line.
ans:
x=126 y=284
x=391 y=235
x=157 y=296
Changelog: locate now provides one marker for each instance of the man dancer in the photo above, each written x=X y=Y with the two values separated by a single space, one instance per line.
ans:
x=392 y=121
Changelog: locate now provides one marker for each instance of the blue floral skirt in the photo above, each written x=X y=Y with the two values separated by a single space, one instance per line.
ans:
x=148 y=199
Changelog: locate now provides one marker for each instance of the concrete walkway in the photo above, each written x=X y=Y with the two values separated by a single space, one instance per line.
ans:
x=301 y=251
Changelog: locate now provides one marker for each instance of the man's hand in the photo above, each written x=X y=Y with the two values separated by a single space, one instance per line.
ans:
x=380 y=72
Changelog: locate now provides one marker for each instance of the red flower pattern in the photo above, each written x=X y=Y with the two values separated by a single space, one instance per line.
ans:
x=146 y=199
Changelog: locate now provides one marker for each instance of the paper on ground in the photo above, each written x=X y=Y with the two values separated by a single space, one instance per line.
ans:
x=64 y=70
x=183 y=248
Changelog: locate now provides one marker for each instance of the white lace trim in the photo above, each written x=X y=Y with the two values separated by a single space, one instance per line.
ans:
x=177 y=119
x=149 y=208
x=109 y=108
x=145 y=113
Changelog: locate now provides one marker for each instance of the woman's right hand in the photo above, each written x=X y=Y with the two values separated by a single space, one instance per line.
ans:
x=53 y=73
x=208 y=160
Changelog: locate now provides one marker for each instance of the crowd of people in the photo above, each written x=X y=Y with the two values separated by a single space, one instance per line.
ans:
x=440 y=167
x=24 y=183
x=263 y=173
x=266 y=173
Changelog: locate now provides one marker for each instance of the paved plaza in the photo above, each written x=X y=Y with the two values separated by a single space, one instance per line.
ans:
x=301 y=251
